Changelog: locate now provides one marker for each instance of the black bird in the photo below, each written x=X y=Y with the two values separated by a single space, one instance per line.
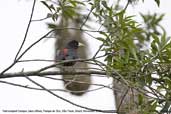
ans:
x=76 y=84
x=69 y=52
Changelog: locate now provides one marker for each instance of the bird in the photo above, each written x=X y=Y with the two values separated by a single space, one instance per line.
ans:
x=69 y=52
x=76 y=84
x=72 y=82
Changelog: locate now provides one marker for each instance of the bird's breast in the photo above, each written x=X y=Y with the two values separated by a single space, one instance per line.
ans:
x=65 y=51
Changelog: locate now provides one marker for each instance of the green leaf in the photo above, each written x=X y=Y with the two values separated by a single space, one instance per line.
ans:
x=132 y=48
x=149 y=79
x=163 y=39
x=69 y=12
x=153 y=105
x=73 y=3
x=52 y=26
x=54 y=17
x=166 y=107
x=49 y=15
x=96 y=5
x=154 y=47
x=49 y=7
x=158 y=2
x=140 y=99
x=160 y=18
x=127 y=57
x=101 y=39
x=81 y=3
x=156 y=38
x=105 y=5
x=52 y=7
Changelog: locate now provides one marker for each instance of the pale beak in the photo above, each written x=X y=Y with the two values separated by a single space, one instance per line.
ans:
x=81 y=44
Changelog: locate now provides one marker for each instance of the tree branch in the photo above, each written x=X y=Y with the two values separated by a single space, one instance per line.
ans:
x=28 y=26
x=34 y=88
x=66 y=100
x=45 y=73
x=122 y=99
x=87 y=18
x=25 y=52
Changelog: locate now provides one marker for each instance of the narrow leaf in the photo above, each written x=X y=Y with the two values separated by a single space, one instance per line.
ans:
x=158 y=2
x=49 y=7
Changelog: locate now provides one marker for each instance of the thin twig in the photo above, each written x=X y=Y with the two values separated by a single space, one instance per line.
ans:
x=28 y=26
x=129 y=1
x=101 y=85
x=45 y=60
x=100 y=47
x=15 y=60
x=78 y=29
x=62 y=62
x=26 y=51
x=40 y=19
x=28 y=87
x=38 y=42
x=66 y=100
x=37 y=60
x=34 y=44
x=119 y=106
x=90 y=35
x=37 y=73
x=62 y=90
x=75 y=60
x=87 y=18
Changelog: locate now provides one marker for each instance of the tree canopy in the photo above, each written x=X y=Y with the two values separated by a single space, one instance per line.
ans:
x=137 y=54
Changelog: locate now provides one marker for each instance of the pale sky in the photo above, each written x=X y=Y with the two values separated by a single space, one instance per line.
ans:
x=14 y=19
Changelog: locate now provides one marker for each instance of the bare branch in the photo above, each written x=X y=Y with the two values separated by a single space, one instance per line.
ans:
x=26 y=51
x=78 y=29
x=119 y=106
x=101 y=85
x=87 y=18
x=62 y=62
x=28 y=26
x=62 y=90
x=40 y=19
x=66 y=100
x=37 y=73
x=37 y=60
x=100 y=47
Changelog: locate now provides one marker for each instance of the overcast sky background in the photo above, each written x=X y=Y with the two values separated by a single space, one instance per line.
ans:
x=13 y=22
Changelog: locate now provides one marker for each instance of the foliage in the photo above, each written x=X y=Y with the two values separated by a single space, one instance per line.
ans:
x=139 y=52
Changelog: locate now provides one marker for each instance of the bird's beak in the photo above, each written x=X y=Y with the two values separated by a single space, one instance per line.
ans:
x=81 y=44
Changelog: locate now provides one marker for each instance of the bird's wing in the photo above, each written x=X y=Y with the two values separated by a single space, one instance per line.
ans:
x=61 y=55
x=71 y=54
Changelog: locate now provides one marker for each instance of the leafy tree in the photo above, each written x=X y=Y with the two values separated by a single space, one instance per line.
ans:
x=144 y=71
x=137 y=55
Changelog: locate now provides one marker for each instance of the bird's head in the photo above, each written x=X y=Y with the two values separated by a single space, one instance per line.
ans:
x=73 y=44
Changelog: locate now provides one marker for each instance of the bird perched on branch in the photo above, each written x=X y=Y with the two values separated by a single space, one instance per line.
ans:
x=70 y=49
x=75 y=84
x=69 y=52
